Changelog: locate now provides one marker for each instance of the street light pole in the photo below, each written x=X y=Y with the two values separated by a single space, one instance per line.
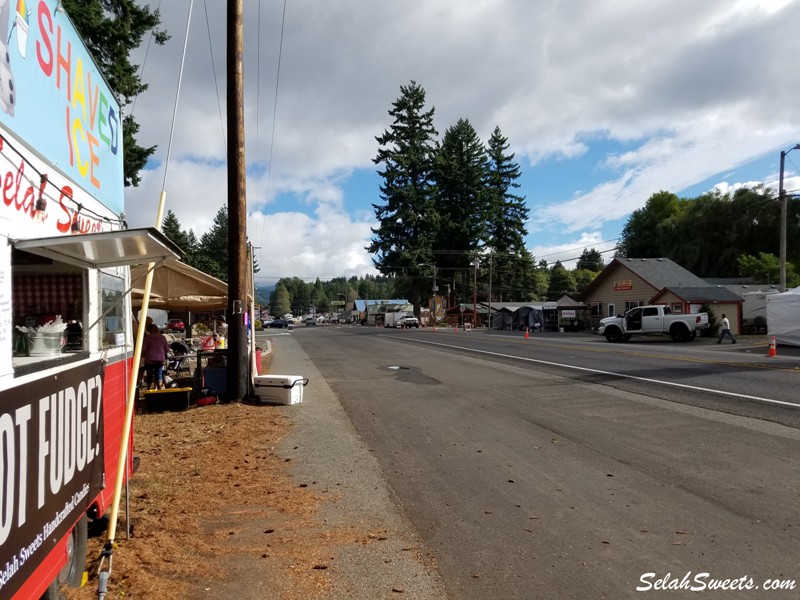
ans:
x=434 y=289
x=783 y=209
x=475 y=294
x=490 y=290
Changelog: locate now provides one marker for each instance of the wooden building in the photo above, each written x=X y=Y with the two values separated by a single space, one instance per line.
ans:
x=629 y=282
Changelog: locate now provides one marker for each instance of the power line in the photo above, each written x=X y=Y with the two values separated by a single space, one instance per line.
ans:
x=214 y=71
x=274 y=114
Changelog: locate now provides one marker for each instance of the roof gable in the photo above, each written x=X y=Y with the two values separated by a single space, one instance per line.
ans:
x=660 y=273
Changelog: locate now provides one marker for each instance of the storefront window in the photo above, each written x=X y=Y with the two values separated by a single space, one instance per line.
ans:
x=112 y=302
x=632 y=304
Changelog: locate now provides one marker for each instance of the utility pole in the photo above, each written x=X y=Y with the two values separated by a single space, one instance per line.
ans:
x=783 y=209
x=237 y=208
x=475 y=294
x=490 y=290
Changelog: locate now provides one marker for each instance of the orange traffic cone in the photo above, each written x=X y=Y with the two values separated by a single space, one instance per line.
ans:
x=773 y=351
x=526 y=333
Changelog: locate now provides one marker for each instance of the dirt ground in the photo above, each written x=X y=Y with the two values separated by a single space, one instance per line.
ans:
x=211 y=494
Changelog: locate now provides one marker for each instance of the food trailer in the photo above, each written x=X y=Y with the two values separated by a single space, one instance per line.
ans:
x=66 y=343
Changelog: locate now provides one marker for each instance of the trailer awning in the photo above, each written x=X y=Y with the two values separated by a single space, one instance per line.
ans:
x=105 y=249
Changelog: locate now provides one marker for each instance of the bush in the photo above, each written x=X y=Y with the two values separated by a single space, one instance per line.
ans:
x=713 y=324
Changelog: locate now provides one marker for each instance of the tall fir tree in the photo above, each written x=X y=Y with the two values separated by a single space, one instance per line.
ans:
x=506 y=217
x=591 y=260
x=460 y=173
x=171 y=228
x=212 y=255
x=562 y=282
x=406 y=219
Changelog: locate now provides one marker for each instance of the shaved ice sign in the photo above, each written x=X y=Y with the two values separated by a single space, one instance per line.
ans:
x=55 y=101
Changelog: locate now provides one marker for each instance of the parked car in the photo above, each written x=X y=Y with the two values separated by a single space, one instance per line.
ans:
x=176 y=325
x=279 y=323
x=310 y=321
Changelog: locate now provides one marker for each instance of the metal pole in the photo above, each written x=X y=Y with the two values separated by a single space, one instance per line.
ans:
x=434 y=289
x=783 y=209
x=237 y=208
x=782 y=201
x=475 y=294
x=490 y=290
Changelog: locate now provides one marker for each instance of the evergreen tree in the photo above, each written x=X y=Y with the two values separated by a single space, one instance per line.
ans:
x=212 y=255
x=460 y=172
x=194 y=248
x=583 y=277
x=406 y=219
x=561 y=282
x=172 y=229
x=280 y=302
x=111 y=30
x=591 y=260
x=506 y=217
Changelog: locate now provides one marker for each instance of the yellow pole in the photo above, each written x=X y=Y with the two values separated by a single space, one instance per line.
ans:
x=132 y=393
x=252 y=291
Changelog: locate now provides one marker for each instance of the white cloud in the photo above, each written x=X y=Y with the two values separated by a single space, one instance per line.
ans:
x=696 y=88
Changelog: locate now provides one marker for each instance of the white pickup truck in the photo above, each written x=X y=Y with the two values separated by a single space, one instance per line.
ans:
x=653 y=320
x=400 y=319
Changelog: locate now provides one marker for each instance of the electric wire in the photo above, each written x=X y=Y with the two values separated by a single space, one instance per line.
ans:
x=258 y=100
x=274 y=116
x=216 y=82
x=144 y=61
x=177 y=97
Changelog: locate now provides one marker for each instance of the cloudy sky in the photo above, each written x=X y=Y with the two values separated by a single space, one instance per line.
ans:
x=604 y=102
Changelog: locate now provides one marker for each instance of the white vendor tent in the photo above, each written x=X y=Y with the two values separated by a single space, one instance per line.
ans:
x=783 y=317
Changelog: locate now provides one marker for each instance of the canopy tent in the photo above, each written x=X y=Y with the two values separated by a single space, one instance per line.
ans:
x=177 y=286
x=528 y=317
x=783 y=317
x=502 y=319
x=518 y=318
x=568 y=303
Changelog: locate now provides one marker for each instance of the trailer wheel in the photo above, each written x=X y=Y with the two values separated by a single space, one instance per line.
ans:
x=72 y=573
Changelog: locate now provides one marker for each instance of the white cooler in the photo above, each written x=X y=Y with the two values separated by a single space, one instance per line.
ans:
x=280 y=389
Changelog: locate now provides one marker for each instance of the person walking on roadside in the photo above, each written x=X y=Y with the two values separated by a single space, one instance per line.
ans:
x=726 y=330
x=154 y=352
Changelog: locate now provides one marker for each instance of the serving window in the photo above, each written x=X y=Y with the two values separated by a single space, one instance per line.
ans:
x=48 y=309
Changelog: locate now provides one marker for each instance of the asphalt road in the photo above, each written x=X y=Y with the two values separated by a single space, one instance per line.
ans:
x=565 y=467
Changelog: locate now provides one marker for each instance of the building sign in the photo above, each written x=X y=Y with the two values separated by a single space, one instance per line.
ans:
x=51 y=441
x=54 y=98
x=623 y=285
x=568 y=314
x=38 y=201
